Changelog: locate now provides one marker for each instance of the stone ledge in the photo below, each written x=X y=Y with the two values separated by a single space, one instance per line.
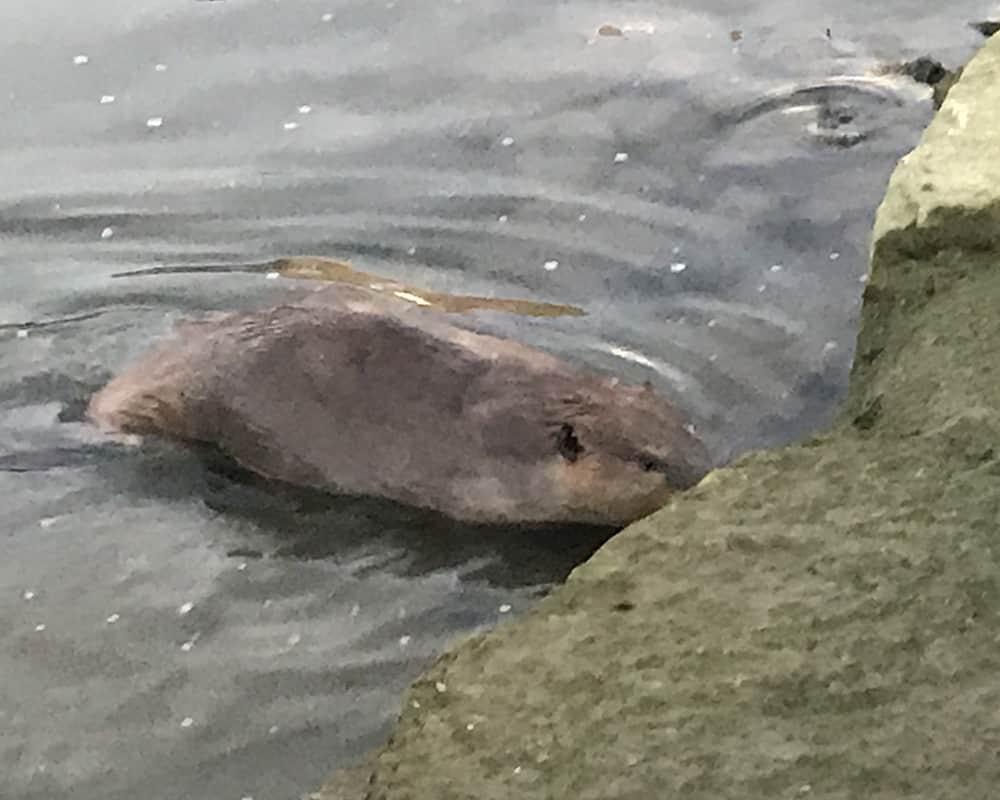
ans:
x=819 y=621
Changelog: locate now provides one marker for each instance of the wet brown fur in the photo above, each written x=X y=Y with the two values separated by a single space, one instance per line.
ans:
x=356 y=392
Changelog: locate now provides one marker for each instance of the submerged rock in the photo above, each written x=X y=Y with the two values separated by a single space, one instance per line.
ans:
x=817 y=621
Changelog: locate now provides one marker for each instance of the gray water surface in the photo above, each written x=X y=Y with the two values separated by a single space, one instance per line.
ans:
x=171 y=630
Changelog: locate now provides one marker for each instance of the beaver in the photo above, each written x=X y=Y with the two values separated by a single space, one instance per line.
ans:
x=354 y=392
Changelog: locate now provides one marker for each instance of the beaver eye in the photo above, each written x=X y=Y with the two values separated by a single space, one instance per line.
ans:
x=569 y=446
x=651 y=464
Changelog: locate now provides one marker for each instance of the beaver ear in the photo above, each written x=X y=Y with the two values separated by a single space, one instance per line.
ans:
x=567 y=443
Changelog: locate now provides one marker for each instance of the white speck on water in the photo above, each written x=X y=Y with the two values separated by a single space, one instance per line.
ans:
x=776 y=268
x=762 y=287
x=471 y=726
x=46 y=522
x=830 y=346
x=678 y=267
x=294 y=639
x=713 y=357
x=507 y=141
x=676 y=249
x=582 y=217
x=626 y=354
x=517 y=770
x=160 y=67
x=107 y=233
x=185 y=609
x=412 y=298
x=441 y=687
x=690 y=428
x=415 y=704
x=805 y=788
x=863 y=278
x=502 y=218
x=113 y=619
x=268 y=602
x=621 y=158
x=22 y=334
x=272 y=276
x=551 y=265
x=834 y=255
x=712 y=323
x=305 y=109
x=40 y=627
x=247 y=797
x=154 y=122
x=187 y=647
x=241 y=566
x=327 y=17
x=404 y=640
x=401 y=613
x=505 y=608
x=290 y=126
x=412 y=251
x=107 y=99
x=81 y=59
x=273 y=730
x=29 y=595
x=187 y=722
x=355 y=610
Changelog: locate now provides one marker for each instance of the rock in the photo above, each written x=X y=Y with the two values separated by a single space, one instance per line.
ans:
x=817 y=621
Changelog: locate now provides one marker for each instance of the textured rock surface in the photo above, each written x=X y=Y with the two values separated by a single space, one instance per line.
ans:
x=821 y=621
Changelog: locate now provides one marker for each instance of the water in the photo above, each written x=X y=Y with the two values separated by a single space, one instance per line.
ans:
x=171 y=630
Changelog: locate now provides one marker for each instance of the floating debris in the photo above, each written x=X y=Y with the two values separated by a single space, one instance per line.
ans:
x=735 y=36
x=581 y=218
x=610 y=30
x=185 y=608
x=188 y=646
x=46 y=522
x=81 y=59
x=305 y=109
x=677 y=267
x=834 y=255
x=551 y=265
x=517 y=770
x=160 y=67
x=271 y=276
x=107 y=233
x=273 y=730
x=404 y=640
x=187 y=722
x=290 y=126
x=28 y=595
x=471 y=726
x=502 y=218
x=327 y=17
x=505 y=608
x=294 y=639
x=441 y=687
x=621 y=158
x=776 y=268
x=107 y=98
x=113 y=618
x=22 y=334
x=241 y=566
x=712 y=323
x=355 y=610
x=40 y=627
x=411 y=251
x=154 y=122
x=507 y=141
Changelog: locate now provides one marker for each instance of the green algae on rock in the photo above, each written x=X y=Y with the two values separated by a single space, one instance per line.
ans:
x=818 y=621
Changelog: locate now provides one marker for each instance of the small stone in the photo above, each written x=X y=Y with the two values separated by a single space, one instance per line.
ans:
x=107 y=233
x=187 y=722
x=81 y=59
x=107 y=99
x=185 y=608
x=154 y=122
x=551 y=265
x=678 y=267
x=441 y=687
x=621 y=158
x=113 y=619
